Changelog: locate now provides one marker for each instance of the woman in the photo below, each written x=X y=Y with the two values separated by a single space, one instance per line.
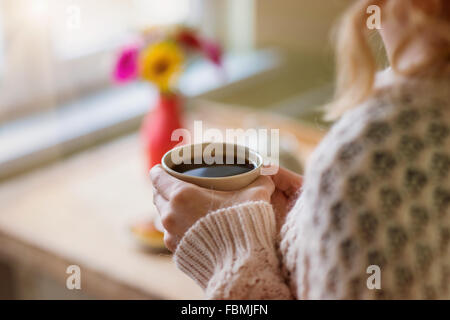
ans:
x=376 y=191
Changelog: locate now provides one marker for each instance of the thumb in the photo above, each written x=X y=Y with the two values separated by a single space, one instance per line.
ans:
x=287 y=181
x=263 y=182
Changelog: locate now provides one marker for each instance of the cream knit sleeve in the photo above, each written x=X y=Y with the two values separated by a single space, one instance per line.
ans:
x=231 y=254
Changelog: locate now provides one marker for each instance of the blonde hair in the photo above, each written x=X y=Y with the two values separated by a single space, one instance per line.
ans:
x=355 y=62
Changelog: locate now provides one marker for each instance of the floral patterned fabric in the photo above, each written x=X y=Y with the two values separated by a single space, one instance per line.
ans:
x=377 y=192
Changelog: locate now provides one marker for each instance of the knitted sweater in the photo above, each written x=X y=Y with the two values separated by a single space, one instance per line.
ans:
x=376 y=191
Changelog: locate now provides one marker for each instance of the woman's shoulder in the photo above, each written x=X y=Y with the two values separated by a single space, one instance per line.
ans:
x=377 y=182
x=396 y=124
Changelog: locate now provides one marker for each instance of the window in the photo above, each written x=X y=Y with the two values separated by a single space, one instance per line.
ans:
x=56 y=50
x=84 y=26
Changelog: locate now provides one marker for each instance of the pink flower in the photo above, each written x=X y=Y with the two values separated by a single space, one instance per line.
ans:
x=212 y=51
x=126 y=67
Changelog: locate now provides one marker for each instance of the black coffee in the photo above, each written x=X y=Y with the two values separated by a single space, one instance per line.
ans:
x=213 y=170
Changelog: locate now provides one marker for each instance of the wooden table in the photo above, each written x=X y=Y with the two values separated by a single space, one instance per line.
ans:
x=79 y=210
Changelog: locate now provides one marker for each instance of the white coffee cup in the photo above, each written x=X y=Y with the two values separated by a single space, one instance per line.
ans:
x=214 y=150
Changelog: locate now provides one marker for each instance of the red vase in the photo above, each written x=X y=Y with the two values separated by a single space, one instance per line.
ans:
x=158 y=125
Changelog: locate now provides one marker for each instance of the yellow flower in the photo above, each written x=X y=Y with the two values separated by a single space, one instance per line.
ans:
x=161 y=63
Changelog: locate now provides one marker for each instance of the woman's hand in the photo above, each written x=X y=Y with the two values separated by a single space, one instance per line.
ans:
x=181 y=204
x=287 y=187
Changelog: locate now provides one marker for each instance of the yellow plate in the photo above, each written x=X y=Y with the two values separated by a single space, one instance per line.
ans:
x=147 y=235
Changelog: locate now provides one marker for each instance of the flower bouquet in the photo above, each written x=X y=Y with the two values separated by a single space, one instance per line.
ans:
x=159 y=56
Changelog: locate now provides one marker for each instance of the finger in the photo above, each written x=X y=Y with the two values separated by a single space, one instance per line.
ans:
x=168 y=217
x=161 y=204
x=163 y=182
x=264 y=182
x=154 y=193
x=279 y=200
x=170 y=241
x=287 y=181
x=280 y=206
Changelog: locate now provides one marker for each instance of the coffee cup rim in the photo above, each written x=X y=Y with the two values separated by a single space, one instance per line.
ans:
x=175 y=173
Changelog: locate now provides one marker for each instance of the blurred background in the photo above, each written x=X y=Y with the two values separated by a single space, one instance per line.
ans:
x=72 y=178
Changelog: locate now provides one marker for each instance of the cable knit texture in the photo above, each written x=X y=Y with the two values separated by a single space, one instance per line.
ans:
x=231 y=253
x=376 y=192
